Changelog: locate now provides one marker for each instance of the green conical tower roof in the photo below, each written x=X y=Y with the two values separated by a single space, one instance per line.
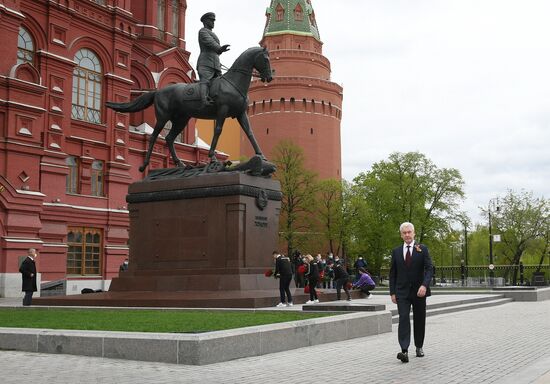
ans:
x=291 y=16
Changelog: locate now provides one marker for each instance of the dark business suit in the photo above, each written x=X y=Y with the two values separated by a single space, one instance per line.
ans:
x=28 y=268
x=404 y=284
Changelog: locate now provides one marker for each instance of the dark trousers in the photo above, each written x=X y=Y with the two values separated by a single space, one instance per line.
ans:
x=28 y=298
x=299 y=280
x=312 y=285
x=284 y=287
x=419 y=320
x=342 y=283
x=366 y=289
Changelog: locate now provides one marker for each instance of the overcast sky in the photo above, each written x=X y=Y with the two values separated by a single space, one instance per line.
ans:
x=465 y=82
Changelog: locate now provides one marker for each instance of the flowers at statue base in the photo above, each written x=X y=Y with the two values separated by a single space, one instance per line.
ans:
x=268 y=273
x=301 y=269
x=349 y=285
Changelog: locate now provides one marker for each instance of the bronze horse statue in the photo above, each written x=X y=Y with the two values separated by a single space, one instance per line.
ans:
x=180 y=102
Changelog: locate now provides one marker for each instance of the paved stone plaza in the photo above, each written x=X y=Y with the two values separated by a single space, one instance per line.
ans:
x=502 y=344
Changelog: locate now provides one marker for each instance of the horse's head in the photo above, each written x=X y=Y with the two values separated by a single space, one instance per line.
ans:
x=263 y=65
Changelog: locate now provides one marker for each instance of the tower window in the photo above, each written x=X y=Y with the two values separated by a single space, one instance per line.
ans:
x=175 y=18
x=311 y=131
x=161 y=9
x=280 y=12
x=72 y=184
x=97 y=178
x=298 y=13
x=25 y=47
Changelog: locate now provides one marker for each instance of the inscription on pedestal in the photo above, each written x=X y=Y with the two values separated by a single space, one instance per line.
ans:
x=260 y=221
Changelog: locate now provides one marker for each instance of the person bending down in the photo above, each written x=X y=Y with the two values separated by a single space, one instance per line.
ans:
x=365 y=283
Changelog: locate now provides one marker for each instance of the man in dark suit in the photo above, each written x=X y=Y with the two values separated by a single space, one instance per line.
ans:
x=208 y=63
x=28 y=274
x=410 y=275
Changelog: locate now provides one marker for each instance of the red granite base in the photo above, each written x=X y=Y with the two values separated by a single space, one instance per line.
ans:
x=188 y=299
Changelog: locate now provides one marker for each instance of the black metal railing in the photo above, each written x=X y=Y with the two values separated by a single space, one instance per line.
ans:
x=483 y=276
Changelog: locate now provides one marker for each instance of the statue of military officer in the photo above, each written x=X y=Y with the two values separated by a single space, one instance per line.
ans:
x=208 y=64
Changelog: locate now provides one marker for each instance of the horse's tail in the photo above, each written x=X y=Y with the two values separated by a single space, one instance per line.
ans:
x=138 y=104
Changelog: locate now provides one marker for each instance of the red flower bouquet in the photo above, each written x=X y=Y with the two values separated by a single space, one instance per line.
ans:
x=301 y=269
x=349 y=285
x=306 y=289
x=268 y=273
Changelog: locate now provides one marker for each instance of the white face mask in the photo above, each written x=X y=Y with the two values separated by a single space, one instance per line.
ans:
x=125 y=263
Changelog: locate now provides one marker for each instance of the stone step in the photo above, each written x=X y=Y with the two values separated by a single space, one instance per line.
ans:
x=453 y=303
x=444 y=309
x=344 y=306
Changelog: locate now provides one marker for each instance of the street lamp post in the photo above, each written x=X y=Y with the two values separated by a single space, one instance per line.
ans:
x=491 y=265
x=465 y=255
x=452 y=263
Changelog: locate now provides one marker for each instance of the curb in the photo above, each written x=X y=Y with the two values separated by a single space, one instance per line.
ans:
x=198 y=349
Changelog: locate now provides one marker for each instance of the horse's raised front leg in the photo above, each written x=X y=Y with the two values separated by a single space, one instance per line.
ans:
x=245 y=125
x=158 y=127
x=220 y=119
x=177 y=127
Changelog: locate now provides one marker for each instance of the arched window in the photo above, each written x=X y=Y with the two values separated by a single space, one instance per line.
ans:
x=280 y=12
x=97 y=178
x=25 y=47
x=298 y=13
x=161 y=10
x=175 y=18
x=87 y=87
x=72 y=177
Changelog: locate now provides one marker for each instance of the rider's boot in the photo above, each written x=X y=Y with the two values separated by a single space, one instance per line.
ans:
x=206 y=100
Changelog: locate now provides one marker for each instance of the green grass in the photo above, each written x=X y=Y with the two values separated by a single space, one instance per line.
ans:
x=142 y=320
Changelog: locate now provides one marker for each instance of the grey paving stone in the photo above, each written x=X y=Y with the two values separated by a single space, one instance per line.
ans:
x=485 y=345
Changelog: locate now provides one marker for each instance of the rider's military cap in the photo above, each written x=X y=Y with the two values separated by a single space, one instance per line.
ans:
x=208 y=15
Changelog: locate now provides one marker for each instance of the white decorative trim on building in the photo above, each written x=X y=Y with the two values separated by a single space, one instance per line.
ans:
x=86 y=208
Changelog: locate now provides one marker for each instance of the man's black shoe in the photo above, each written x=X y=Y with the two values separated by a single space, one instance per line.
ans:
x=419 y=352
x=403 y=356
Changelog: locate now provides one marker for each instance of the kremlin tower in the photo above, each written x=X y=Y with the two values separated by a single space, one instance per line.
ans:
x=301 y=103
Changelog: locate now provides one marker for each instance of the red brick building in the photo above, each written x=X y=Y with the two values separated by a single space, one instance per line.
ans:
x=65 y=160
x=301 y=103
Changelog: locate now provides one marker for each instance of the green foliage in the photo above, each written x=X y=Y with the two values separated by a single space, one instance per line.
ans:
x=329 y=213
x=141 y=320
x=523 y=222
x=298 y=187
x=406 y=187
x=478 y=247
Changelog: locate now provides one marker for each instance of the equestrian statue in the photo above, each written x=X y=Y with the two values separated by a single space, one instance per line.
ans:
x=225 y=95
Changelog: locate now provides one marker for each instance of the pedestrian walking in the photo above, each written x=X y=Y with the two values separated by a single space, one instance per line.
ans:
x=410 y=275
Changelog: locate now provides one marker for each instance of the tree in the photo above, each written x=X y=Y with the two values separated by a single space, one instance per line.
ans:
x=406 y=187
x=522 y=221
x=329 y=212
x=298 y=189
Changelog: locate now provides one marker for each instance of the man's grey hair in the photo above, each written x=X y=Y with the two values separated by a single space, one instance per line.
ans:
x=406 y=224
x=32 y=250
